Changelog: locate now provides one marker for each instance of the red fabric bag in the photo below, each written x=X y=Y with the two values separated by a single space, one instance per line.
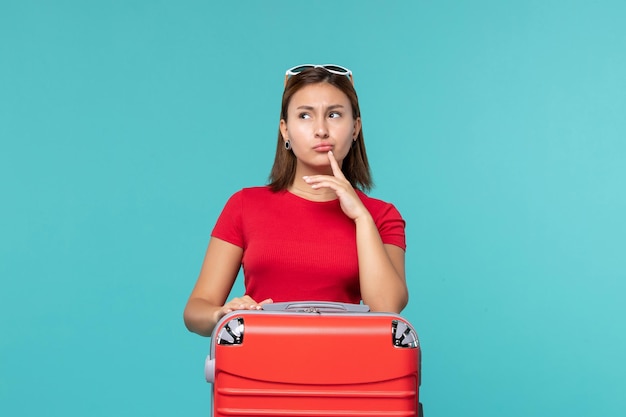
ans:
x=314 y=359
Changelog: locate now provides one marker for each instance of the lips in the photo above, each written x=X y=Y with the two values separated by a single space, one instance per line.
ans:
x=323 y=147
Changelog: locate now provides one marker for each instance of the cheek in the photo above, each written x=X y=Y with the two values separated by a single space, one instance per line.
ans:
x=296 y=131
x=347 y=135
x=342 y=149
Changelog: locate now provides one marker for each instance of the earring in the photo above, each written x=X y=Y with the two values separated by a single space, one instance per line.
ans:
x=288 y=145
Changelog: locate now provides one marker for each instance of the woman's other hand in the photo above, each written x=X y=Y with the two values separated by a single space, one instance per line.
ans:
x=240 y=303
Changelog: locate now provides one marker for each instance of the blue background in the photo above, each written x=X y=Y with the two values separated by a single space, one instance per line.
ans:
x=497 y=128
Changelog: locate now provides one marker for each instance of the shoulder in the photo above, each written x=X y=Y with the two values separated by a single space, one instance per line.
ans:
x=253 y=196
x=388 y=220
x=253 y=193
x=248 y=203
x=376 y=206
x=257 y=193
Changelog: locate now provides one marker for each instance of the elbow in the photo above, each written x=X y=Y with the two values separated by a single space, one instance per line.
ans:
x=187 y=320
x=195 y=324
x=403 y=303
x=388 y=304
x=398 y=305
x=402 y=299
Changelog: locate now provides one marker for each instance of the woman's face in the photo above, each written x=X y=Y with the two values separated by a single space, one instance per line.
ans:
x=319 y=119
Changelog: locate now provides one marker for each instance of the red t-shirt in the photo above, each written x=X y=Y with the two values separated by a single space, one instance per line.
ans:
x=295 y=249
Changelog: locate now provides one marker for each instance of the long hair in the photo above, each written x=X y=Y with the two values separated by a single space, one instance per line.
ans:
x=355 y=166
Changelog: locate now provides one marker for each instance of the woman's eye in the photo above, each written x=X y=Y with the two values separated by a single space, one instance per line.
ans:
x=334 y=115
x=304 y=116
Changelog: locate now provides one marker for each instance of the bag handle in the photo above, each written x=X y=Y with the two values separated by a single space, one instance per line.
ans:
x=317 y=307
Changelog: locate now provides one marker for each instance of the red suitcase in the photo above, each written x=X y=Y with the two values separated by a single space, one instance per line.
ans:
x=314 y=359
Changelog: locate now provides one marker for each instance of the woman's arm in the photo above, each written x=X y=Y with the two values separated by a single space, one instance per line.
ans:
x=206 y=303
x=381 y=266
x=381 y=269
x=217 y=276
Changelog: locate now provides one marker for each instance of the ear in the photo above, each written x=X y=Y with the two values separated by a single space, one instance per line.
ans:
x=283 y=129
x=357 y=128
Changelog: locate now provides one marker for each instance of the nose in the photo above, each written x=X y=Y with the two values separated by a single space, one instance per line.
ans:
x=321 y=129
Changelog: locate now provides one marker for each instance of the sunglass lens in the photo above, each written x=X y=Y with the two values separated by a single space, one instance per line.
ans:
x=337 y=69
x=299 y=69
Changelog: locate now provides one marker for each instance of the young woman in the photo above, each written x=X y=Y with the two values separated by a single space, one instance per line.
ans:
x=312 y=233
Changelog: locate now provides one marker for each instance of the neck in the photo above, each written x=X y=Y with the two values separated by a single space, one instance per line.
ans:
x=304 y=190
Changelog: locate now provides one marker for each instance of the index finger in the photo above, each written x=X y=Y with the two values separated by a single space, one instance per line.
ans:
x=335 y=165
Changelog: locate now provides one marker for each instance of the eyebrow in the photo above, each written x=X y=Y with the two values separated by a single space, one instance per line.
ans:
x=331 y=107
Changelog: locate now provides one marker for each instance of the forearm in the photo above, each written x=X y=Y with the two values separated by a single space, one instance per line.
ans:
x=200 y=316
x=383 y=286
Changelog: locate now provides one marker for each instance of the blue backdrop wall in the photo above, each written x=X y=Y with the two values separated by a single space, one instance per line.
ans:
x=497 y=128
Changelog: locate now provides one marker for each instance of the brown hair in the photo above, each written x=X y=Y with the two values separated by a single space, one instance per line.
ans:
x=355 y=166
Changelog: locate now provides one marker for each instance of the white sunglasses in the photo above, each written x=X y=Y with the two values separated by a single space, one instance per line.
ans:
x=332 y=68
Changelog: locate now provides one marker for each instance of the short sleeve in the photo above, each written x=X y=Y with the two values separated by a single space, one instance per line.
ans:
x=391 y=227
x=229 y=224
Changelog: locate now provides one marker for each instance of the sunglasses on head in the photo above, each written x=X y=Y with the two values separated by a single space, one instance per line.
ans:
x=332 y=68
